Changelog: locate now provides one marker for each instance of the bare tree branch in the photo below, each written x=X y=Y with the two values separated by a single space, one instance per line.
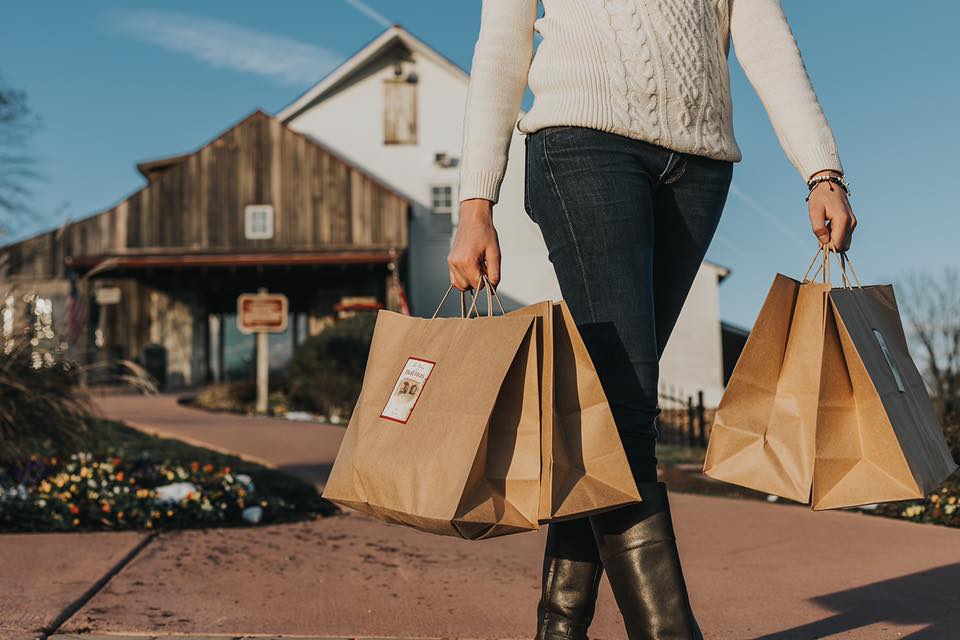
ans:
x=17 y=166
x=931 y=305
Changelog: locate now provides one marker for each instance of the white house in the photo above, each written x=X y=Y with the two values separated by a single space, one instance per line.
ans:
x=395 y=108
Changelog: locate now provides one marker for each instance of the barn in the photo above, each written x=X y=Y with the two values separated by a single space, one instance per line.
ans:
x=260 y=206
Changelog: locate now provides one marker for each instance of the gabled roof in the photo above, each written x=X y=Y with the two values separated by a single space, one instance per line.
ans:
x=722 y=272
x=388 y=38
x=150 y=169
x=154 y=171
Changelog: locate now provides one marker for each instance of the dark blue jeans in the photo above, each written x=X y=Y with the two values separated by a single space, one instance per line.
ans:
x=626 y=224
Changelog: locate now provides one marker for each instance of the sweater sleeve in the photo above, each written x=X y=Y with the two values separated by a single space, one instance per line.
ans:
x=498 y=77
x=768 y=53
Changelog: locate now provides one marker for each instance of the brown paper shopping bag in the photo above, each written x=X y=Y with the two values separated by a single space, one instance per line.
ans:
x=878 y=439
x=590 y=468
x=805 y=417
x=764 y=431
x=445 y=436
x=584 y=468
x=542 y=312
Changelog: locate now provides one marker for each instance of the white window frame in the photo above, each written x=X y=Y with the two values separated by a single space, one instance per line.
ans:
x=448 y=209
x=251 y=213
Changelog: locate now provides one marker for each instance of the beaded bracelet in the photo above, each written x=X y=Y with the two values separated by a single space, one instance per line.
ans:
x=832 y=178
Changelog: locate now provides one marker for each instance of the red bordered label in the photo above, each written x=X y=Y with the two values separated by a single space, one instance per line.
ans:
x=406 y=392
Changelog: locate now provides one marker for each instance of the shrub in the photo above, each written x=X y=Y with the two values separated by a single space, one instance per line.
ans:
x=327 y=369
x=38 y=406
x=239 y=397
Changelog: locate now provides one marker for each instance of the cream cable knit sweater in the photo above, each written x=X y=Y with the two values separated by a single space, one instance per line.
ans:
x=654 y=70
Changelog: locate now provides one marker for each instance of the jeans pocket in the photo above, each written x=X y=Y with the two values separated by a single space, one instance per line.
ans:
x=526 y=179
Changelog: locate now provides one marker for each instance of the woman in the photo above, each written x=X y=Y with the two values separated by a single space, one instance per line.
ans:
x=629 y=155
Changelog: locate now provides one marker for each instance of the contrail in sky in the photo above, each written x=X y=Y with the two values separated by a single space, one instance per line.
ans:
x=226 y=45
x=777 y=222
x=370 y=12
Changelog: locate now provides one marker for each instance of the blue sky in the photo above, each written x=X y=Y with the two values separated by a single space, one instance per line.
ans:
x=120 y=82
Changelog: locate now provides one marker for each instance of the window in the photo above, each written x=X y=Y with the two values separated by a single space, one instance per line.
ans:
x=441 y=198
x=258 y=222
x=400 y=111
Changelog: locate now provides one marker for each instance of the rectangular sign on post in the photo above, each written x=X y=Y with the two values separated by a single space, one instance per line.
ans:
x=262 y=312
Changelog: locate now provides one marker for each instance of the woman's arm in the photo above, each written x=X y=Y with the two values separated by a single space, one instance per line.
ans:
x=770 y=58
x=498 y=77
x=768 y=53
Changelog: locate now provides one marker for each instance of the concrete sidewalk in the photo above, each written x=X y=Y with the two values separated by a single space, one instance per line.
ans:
x=755 y=570
x=44 y=576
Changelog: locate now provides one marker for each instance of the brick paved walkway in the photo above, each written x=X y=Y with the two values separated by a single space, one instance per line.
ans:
x=755 y=570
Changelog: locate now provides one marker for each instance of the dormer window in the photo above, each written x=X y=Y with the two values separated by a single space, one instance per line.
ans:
x=400 y=110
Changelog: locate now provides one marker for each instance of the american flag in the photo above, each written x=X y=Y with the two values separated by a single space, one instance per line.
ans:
x=76 y=311
x=401 y=294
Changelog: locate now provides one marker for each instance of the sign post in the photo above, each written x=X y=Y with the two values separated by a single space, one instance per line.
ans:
x=262 y=313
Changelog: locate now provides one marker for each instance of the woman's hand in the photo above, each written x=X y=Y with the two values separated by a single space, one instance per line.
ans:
x=475 y=247
x=830 y=214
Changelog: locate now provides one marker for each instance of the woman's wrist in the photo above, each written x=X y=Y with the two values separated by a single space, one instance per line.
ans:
x=476 y=210
x=825 y=172
x=830 y=177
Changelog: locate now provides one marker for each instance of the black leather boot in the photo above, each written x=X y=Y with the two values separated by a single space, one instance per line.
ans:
x=638 y=548
x=571 y=576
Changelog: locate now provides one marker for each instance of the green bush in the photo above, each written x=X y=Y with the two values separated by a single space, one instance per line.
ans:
x=327 y=369
x=240 y=397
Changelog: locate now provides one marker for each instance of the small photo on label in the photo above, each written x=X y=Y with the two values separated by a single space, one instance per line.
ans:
x=407 y=390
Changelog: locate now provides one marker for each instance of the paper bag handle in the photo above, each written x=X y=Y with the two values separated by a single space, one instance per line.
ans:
x=464 y=312
x=490 y=290
x=842 y=258
x=463 y=303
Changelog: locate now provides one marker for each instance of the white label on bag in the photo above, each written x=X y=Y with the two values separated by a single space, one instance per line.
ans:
x=407 y=390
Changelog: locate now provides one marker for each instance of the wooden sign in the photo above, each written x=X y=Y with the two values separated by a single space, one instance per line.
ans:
x=107 y=295
x=262 y=313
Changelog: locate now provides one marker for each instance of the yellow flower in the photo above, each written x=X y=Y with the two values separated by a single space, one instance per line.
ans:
x=952 y=500
x=914 y=510
x=76 y=522
x=934 y=498
x=45 y=487
x=169 y=513
x=143 y=493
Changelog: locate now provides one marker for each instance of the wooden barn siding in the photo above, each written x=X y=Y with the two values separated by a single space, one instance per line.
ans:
x=319 y=202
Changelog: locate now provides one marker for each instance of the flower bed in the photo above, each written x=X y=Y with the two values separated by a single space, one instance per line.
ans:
x=130 y=480
x=940 y=507
x=681 y=470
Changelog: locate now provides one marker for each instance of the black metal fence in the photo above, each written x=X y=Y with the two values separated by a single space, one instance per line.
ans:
x=683 y=418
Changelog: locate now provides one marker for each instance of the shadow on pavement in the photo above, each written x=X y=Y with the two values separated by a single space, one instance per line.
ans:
x=928 y=598
x=315 y=474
